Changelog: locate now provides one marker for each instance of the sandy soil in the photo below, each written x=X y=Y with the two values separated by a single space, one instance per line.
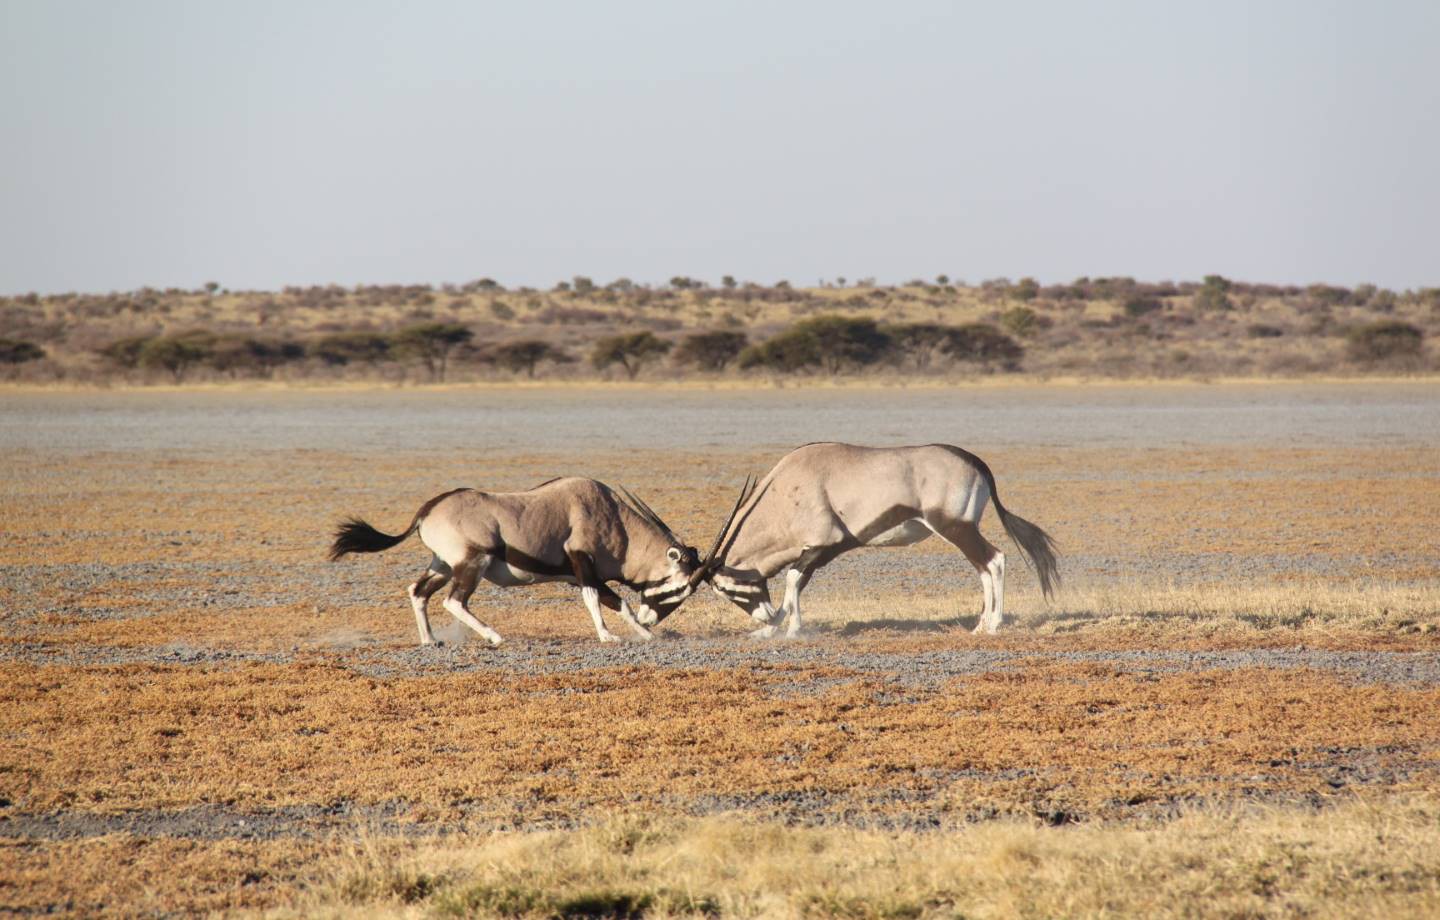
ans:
x=1251 y=613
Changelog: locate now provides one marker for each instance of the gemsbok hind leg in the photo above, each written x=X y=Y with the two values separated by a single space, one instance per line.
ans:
x=466 y=577
x=435 y=577
x=988 y=561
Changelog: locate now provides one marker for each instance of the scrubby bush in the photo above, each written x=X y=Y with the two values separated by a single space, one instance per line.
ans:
x=1141 y=305
x=1025 y=289
x=15 y=351
x=631 y=351
x=340 y=348
x=1214 y=294
x=1263 y=331
x=710 y=351
x=1024 y=322
x=984 y=344
x=1384 y=341
x=125 y=352
x=176 y=353
x=526 y=355
x=919 y=342
x=830 y=342
x=235 y=355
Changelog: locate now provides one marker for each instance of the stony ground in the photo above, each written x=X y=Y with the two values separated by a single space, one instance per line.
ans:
x=1250 y=615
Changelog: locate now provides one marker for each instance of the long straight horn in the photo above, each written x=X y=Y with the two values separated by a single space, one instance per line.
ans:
x=708 y=562
x=640 y=507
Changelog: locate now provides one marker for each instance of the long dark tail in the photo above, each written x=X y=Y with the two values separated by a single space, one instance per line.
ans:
x=1037 y=545
x=355 y=536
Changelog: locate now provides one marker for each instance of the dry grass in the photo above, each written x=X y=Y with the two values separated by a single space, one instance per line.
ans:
x=1173 y=549
x=1361 y=859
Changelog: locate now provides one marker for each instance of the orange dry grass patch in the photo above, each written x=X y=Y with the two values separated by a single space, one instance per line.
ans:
x=1082 y=738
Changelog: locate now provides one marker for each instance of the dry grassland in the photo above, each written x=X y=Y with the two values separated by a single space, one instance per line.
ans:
x=1230 y=709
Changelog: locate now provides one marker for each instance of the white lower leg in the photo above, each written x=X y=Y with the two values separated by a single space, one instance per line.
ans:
x=987 y=584
x=997 y=574
x=458 y=611
x=633 y=623
x=765 y=632
x=591 y=597
x=791 y=606
x=422 y=622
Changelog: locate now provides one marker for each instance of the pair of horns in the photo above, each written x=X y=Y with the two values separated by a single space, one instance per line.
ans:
x=716 y=550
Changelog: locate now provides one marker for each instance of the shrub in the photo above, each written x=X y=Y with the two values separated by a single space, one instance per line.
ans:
x=983 y=343
x=631 y=351
x=1024 y=322
x=830 y=342
x=15 y=351
x=1213 y=294
x=177 y=353
x=341 y=348
x=1140 y=305
x=526 y=354
x=1384 y=341
x=710 y=351
x=125 y=352
x=257 y=356
x=1025 y=289
x=918 y=341
x=1263 y=331
x=432 y=343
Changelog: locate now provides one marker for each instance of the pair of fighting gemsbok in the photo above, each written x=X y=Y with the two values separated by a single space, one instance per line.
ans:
x=819 y=501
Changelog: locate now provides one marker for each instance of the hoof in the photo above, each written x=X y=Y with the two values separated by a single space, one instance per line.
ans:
x=764 y=632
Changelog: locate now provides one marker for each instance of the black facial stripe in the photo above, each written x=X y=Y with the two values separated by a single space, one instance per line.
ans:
x=667 y=598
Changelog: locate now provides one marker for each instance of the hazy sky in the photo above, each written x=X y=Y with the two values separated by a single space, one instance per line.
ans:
x=263 y=144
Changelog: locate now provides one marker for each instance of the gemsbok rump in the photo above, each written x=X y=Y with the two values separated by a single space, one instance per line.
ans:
x=822 y=500
x=567 y=530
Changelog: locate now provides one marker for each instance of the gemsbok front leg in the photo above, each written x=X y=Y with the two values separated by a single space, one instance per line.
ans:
x=466 y=576
x=595 y=593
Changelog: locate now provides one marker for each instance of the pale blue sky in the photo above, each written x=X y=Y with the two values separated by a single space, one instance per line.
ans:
x=261 y=144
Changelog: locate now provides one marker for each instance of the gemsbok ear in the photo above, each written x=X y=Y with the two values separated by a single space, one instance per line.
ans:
x=673 y=553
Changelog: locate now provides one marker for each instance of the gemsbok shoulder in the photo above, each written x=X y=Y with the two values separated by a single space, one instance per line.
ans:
x=567 y=530
x=822 y=500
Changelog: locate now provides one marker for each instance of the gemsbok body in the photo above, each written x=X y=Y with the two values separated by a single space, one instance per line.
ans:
x=822 y=500
x=567 y=530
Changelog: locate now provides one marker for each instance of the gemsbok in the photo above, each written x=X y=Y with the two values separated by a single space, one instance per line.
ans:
x=567 y=530
x=825 y=499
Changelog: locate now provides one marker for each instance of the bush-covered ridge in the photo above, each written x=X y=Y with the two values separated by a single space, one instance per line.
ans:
x=1108 y=327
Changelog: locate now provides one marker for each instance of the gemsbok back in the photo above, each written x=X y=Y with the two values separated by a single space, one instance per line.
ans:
x=822 y=500
x=566 y=530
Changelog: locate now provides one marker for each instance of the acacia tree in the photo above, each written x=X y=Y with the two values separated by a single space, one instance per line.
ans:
x=432 y=343
x=524 y=355
x=918 y=341
x=631 y=351
x=831 y=342
x=710 y=351
x=176 y=353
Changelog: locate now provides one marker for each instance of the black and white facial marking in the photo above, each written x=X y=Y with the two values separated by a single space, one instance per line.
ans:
x=661 y=597
x=751 y=596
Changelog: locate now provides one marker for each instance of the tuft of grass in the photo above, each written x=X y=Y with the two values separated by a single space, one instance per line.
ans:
x=1363 y=858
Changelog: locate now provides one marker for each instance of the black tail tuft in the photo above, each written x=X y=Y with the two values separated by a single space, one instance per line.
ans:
x=356 y=536
x=1037 y=544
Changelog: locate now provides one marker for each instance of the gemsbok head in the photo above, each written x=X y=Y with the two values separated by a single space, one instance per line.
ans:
x=568 y=530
